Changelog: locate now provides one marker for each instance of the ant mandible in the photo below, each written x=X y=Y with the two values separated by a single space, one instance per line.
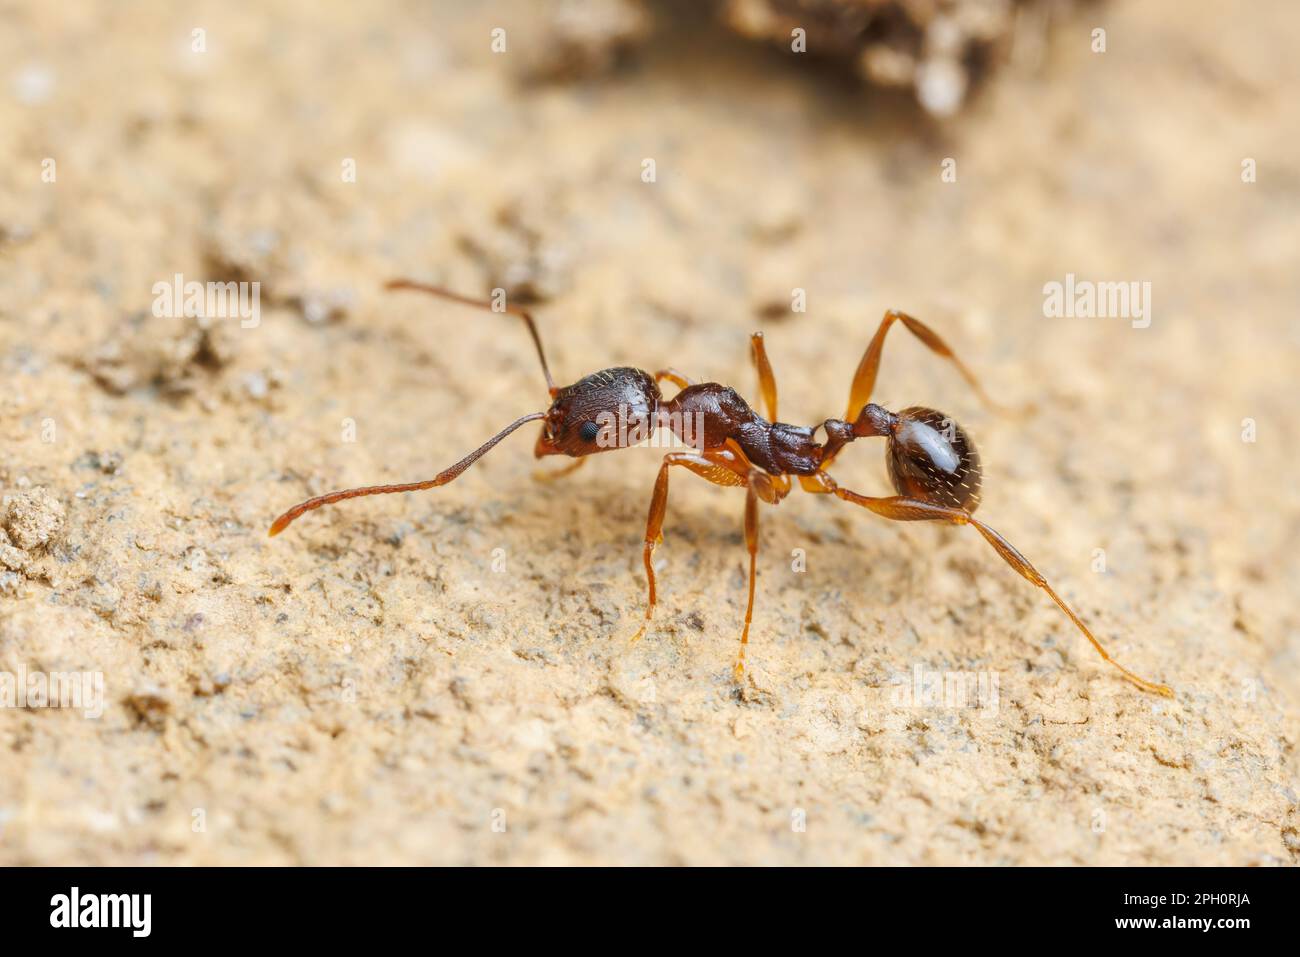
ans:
x=933 y=465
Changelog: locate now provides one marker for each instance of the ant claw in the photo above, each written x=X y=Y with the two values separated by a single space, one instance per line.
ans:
x=550 y=475
x=640 y=632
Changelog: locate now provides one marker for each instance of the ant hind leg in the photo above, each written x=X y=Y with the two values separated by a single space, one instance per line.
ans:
x=864 y=379
x=901 y=509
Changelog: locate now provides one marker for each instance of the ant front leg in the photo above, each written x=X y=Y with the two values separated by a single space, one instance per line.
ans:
x=715 y=465
x=901 y=509
x=542 y=475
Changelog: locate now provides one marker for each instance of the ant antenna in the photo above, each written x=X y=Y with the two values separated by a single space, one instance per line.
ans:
x=523 y=314
x=442 y=478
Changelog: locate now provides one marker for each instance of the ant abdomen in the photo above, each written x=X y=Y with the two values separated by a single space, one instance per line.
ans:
x=931 y=458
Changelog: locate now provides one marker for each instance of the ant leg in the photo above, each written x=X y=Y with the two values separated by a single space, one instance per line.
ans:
x=819 y=483
x=901 y=509
x=751 y=543
x=770 y=490
x=675 y=377
x=766 y=380
x=864 y=380
x=543 y=475
x=715 y=465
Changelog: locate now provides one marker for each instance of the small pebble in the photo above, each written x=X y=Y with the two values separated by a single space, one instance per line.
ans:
x=32 y=518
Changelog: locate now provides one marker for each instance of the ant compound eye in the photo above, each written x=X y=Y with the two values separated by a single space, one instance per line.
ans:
x=588 y=431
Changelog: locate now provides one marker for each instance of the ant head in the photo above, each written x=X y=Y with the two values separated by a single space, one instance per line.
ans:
x=606 y=410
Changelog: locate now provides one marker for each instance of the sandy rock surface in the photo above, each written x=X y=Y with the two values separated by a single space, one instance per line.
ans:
x=448 y=677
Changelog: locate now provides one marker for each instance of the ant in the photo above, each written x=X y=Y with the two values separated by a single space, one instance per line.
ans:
x=933 y=465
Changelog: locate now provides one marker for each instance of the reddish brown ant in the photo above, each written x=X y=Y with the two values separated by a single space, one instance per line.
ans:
x=933 y=465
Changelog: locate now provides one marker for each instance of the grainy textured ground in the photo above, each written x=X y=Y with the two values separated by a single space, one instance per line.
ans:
x=366 y=688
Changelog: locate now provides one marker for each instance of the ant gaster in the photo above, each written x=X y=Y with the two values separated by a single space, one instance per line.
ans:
x=933 y=465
